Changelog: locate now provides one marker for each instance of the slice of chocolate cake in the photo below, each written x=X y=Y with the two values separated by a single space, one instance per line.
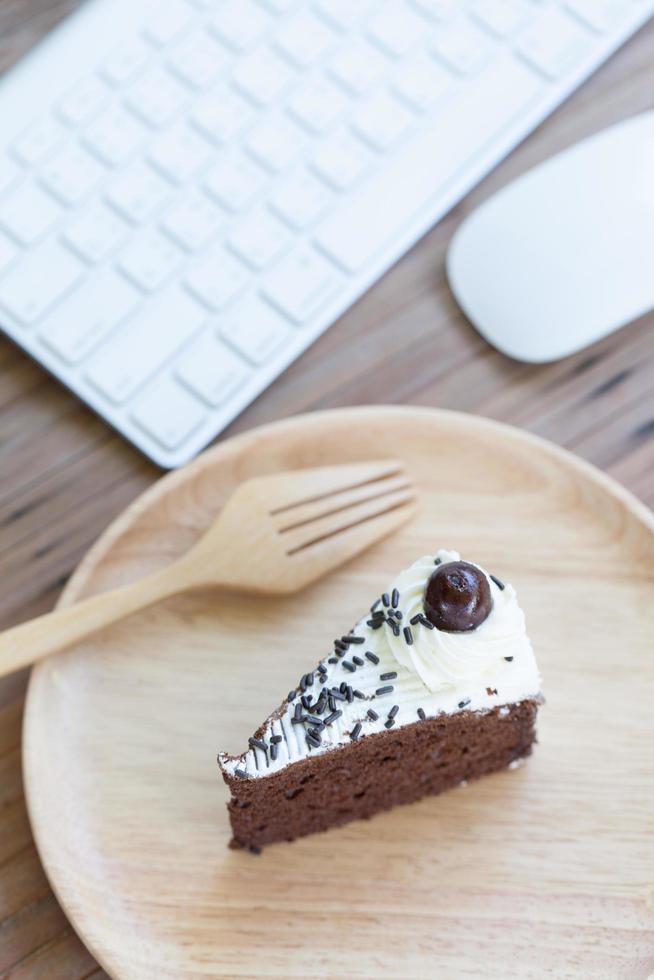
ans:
x=436 y=685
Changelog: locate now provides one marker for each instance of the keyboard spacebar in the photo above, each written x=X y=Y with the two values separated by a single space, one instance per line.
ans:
x=382 y=211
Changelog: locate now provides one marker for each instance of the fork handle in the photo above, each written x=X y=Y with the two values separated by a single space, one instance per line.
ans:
x=32 y=641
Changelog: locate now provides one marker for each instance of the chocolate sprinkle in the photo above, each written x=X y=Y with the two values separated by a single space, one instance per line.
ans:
x=390 y=676
x=359 y=694
x=372 y=714
x=332 y=717
x=427 y=622
x=241 y=773
x=462 y=704
x=313 y=740
x=385 y=690
x=498 y=582
x=437 y=561
x=408 y=635
x=415 y=619
x=356 y=730
x=389 y=723
x=298 y=710
x=291 y=696
x=349 y=694
x=337 y=694
x=396 y=629
x=421 y=714
x=349 y=666
x=378 y=623
x=275 y=739
x=273 y=751
x=395 y=598
x=297 y=720
x=358 y=661
x=333 y=660
x=257 y=743
x=399 y=614
x=354 y=639
x=394 y=710
x=509 y=659
x=313 y=719
x=306 y=700
x=386 y=601
x=372 y=657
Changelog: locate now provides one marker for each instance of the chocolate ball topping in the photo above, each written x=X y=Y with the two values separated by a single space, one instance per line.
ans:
x=458 y=597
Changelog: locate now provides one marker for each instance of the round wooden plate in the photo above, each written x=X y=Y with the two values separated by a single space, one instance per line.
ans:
x=546 y=870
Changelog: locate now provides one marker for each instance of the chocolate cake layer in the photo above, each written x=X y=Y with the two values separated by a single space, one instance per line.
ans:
x=378 y=772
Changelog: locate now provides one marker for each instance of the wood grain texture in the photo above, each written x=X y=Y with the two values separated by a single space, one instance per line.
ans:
x=127 y=805
x=64 y=474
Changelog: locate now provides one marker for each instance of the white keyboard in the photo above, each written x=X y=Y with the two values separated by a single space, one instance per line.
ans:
x=192 y=191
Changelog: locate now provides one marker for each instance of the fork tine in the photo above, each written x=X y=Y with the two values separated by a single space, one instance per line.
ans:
x=349 y=524
x=315 y=484
x=303 y=514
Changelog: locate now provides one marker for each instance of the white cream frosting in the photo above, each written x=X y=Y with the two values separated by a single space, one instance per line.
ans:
x=442 y=659
x=489 y=667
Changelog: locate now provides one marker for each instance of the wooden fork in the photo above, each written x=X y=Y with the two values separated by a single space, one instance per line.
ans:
x=275 y=535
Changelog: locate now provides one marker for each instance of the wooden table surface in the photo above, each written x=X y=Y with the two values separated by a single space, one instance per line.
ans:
x=64 y=475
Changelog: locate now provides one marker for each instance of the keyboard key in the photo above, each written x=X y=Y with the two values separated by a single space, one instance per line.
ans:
x=212 y=370
x=217 y=278
x=8 y=252
x=29 y=213
x=96 y=233
x=423 y=82
x=80 y=322
x=169 y=413
x=72 y=174
x=157 y=97
x=275 y=143
x=235 y=182
x=462 y=47
x=181 y=153
x=341 y=161
x=41 y=138
x=239 y=23
x=254 y=329
x=197 y=60
x=115 y=136
x=126 y=61
x=599 y=15
x=503 y=18
x=144 y=343
x=382 y=121
x=149 y=260
x=341 y=14
x=193 y=222
x=9 y=174
x=139 y=193
x=396 y=29
x=262 y=76
x=358 y=67
x=301 y=199
x=438 y=10
x=53 y=268
x=222 y=115
x=553 y=44
x=304 y=39
x=300 y=284
x=318 y=104
x=362 y=229
x=167 y=21
x=83 y=102
x=259 y=238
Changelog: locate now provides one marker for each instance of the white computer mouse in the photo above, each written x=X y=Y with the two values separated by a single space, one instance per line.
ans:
x=564 y=254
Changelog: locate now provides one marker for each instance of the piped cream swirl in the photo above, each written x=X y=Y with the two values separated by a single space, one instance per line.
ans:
x=447 y=660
